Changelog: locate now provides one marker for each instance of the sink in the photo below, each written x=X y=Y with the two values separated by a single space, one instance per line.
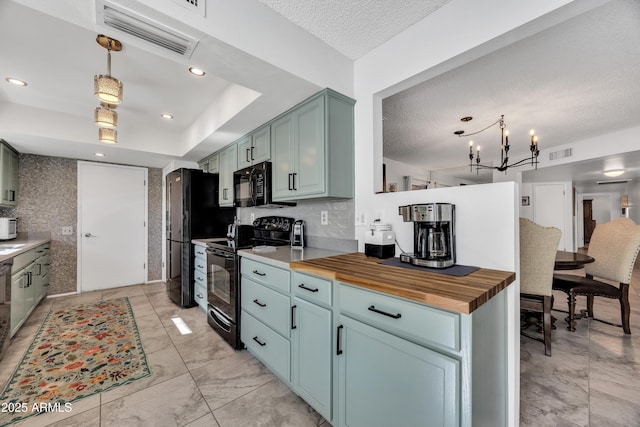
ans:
x=9 y=248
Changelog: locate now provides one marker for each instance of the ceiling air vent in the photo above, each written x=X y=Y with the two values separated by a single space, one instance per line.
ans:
x=617 y=181
x=144 y=28
x=196 y=6
x=567 y=152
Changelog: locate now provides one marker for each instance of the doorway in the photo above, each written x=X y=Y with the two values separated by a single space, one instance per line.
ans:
x=112 y=226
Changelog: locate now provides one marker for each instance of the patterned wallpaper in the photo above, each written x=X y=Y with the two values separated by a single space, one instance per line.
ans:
x=48 y=200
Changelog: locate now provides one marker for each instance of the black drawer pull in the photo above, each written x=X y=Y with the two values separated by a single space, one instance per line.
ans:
x=199 y=279
x=384 y=313
x=262 y=344
x=200 y=266
x=338 y=344
x=293 y=317
x=302 y=286
x=258 y=273
x=259 y=303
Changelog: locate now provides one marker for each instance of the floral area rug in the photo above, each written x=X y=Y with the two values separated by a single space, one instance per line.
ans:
x=79 y=351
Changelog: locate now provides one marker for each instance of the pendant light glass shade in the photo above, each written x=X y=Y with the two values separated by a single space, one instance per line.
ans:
x=107 y=89
x=108 y=136
x=106 y=118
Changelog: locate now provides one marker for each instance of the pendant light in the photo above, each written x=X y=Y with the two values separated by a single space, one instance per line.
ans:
x=108 y=136
x=106 y=88
x=105 y=116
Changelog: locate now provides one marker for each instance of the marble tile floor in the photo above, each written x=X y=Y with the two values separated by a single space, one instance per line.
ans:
x=593 y=376
x=197 y=380
x=592 y=379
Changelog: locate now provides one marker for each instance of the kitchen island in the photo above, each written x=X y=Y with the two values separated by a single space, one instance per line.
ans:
x=367 y=344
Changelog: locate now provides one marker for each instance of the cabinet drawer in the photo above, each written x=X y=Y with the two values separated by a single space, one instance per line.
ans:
x=269 y=275
x=417 y=322
x=200 y=252
x=22 y=260
x=200 y=279
x=200 y=264
x=200 y=295
x=268 y=346
x=267 y=305
x=311 y=288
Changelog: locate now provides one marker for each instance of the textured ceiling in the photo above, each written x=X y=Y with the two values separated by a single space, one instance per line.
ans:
x=572 y=81
x=354 y=27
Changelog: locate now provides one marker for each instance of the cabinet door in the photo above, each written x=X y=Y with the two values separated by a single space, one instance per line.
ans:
x=228 y=165
x=310 y=168
x=311 y=354
x=8 y=176
x=244 y=152
x=386 y=380
x=30 y=284
x=17 y=301
x=283 y=157
x=261 y=145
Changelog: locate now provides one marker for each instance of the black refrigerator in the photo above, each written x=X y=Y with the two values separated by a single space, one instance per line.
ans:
x=193 y=212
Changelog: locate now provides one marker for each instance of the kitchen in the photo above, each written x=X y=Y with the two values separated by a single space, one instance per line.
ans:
x=373 y=75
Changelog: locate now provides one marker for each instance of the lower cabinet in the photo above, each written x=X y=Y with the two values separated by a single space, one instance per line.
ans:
x=41 y=272
x=23 y=291
x=311 y=349
x=386 y=380
x=200 y=276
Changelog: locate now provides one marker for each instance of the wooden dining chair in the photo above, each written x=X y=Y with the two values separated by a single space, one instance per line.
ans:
x=538 y=246
x=614 y=246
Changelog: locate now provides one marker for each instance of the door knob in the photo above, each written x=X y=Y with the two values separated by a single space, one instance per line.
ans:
x=88 y=235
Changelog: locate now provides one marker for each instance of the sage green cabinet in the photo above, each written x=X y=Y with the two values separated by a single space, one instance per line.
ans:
x=210 y=164
x=41 y=272
x=228 y=164
x=255 y=148
x=386 y=380
x=8 y=175
x=23 y=295
x=313 y=149
x=200 y=275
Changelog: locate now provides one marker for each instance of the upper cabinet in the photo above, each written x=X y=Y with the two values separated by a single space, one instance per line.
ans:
x=255 y=148
x=313 y=149
x=209 y=164
x=228 y=164
x=8 y=175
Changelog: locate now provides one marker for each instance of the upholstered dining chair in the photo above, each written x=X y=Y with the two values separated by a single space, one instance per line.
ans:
x=614 y=246
x=538 y=246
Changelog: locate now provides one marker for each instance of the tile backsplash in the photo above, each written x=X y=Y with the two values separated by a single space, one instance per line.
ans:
x=338 y=234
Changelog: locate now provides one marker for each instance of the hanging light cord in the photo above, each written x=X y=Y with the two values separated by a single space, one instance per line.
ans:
x=501 y=119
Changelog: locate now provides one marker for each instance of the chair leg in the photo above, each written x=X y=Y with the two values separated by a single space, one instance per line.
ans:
x=572 y=312
x=546 y=324
x=625 y=309
x=590 y=306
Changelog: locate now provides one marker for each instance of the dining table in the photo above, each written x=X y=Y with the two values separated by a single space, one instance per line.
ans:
x=571 y=260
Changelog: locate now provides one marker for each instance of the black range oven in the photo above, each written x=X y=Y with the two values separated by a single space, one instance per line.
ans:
x=223 y=272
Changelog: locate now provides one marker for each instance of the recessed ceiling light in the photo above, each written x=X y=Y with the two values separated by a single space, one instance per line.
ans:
x=16 y=82
x=196 y=71
x=98 y=154
x=614 y=172
x=166 y=116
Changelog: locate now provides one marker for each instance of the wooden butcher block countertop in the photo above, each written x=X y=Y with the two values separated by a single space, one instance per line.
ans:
x=461 y=294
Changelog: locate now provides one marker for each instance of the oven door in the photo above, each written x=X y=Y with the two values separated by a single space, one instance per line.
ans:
x=221 y=282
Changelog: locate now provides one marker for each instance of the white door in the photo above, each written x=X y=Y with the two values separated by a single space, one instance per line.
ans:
x=550 y=210
x=112 y=231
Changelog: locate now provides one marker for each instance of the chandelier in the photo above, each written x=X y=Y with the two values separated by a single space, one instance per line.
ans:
x=109 y=91
x=504 y=149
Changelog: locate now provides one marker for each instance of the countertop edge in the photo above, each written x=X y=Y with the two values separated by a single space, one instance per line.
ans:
x=30 y=243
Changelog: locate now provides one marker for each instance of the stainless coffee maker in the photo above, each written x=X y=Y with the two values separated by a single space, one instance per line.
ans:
x=434 y=237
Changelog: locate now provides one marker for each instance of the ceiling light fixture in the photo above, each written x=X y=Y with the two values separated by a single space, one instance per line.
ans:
x=196 y=71
x=105 y=116
x=166 y=116
x=613 y=173
x=16 y=82
x=106 y=88
x=504 y=150
x=98 y=154
x=108 y=136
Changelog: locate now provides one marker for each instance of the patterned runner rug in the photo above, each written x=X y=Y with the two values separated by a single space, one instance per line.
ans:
x=79 y=351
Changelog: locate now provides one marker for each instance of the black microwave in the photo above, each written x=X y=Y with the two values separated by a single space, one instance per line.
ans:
x=252 y=187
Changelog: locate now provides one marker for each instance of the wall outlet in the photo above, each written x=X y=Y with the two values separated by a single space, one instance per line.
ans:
x=67 y=231
x=361 y=218
x=324 y=217
x=253 y=217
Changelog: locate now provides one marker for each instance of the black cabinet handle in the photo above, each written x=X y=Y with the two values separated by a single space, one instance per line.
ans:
x=302 y=286
x=384 y=313
x=259 y=303
x=293 y=317
x=248 y=161
x=294 y=181
x=338 y=343
x=199 y=279
x=252 y=153
x=258 y=273
x=262 y=344
x=200 y=266
x=289 y=179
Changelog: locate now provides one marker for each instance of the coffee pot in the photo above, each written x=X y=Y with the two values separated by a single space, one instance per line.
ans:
x=433 y=234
